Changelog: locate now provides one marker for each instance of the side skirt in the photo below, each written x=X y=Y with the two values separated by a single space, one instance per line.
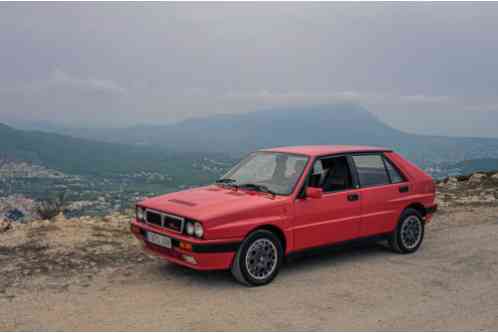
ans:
x=328 y=248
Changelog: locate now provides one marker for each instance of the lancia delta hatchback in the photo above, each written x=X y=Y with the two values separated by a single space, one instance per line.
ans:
x=280 y=201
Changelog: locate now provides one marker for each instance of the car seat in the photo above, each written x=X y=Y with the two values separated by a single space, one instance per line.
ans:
x=338 y=178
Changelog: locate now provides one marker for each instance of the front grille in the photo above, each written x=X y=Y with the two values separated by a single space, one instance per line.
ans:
x=164 y=220
x=154 y=218
x=172 y=223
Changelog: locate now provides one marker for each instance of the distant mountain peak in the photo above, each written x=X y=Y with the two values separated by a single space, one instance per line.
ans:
x=338 y=123
x=5 y=126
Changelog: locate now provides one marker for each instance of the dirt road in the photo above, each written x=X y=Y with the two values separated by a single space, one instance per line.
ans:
x=451 y=283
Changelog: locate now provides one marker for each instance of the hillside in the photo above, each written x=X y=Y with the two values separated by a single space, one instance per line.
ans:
x=317 y=124
x=95 y=178
x=86 y=157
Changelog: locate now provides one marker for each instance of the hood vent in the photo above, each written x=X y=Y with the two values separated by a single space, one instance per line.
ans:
x=214 y=189
x=181 y=202
x=237 y=194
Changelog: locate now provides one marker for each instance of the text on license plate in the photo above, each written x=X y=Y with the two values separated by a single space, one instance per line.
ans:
x=159 y=239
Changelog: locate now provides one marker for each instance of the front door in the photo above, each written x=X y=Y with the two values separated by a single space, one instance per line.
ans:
x=334 y=217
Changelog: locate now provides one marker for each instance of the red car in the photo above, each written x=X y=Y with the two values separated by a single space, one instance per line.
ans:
x=284 y=200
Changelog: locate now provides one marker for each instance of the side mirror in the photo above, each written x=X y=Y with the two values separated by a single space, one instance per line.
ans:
x=314 y=192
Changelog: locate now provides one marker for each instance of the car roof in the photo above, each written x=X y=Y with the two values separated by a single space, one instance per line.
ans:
x=320 y=150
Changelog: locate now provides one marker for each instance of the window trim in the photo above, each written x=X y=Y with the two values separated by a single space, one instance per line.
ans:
x=385 y=168
x=300 y=193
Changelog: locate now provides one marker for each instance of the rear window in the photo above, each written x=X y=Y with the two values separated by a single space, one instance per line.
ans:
x=371 y=170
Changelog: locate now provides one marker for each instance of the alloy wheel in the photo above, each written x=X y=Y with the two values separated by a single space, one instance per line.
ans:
x=261 y=259
x=411 y=232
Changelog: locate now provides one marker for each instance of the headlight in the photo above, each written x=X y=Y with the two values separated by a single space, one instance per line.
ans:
x=189 y=228
x=198 y=230
x=140 y=213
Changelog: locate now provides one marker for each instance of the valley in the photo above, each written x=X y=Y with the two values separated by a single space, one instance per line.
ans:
x=99 y=171
x=93 y=195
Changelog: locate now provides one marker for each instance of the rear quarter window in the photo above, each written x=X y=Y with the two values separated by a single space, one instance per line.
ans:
x=371 y=170
x=394 y=174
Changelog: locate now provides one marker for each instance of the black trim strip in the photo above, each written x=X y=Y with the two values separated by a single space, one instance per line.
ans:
x=337 y=245
x=214 y=248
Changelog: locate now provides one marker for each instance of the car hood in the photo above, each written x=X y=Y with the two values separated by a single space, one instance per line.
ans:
x=209 y=202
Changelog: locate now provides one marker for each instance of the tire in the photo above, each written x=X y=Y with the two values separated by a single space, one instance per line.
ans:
x=409 y=232
x=258 y=258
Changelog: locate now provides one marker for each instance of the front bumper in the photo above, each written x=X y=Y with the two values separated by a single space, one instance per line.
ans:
x=203 y=255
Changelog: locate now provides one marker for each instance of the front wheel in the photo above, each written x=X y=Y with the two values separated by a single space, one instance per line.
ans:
x=258 y=259
x=409 y=233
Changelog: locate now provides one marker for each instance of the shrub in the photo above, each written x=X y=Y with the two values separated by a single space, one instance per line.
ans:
x=51 y=207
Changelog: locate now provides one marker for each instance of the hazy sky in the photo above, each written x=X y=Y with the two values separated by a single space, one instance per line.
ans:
x=425 y=68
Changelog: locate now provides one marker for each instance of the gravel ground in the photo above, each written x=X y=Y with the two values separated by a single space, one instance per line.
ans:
x=449 y=284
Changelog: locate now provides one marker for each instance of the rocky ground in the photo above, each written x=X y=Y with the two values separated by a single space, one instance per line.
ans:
x=87 y=273
x=69 y=251
x=476 y=189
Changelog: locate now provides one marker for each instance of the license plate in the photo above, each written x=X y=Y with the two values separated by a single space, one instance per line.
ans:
x=160 y=240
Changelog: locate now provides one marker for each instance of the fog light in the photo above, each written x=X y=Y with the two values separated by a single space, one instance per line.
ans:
x=189 y=259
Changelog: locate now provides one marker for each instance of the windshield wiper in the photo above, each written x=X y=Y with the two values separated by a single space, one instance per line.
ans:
x=257 y=187
x=225 y=181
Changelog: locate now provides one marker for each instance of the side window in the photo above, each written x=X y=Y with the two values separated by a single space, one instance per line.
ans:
x=371 y=170
x=338 y=174
x=394 y=174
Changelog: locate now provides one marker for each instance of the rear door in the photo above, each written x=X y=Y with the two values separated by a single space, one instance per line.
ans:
x=382 y=190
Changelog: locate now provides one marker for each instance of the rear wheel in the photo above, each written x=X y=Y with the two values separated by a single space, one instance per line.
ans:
x=258 y=259
x=409 y=233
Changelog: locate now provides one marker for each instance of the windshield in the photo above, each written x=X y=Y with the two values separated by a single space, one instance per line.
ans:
x=270 y=171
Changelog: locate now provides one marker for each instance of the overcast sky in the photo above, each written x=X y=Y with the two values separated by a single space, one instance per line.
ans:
x=424 y=68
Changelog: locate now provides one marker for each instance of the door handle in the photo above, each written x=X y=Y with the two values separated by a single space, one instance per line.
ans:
x=353 y=197
x=403 y=189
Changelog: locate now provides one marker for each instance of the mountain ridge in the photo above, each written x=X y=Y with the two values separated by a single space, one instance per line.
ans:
x=343 y=123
